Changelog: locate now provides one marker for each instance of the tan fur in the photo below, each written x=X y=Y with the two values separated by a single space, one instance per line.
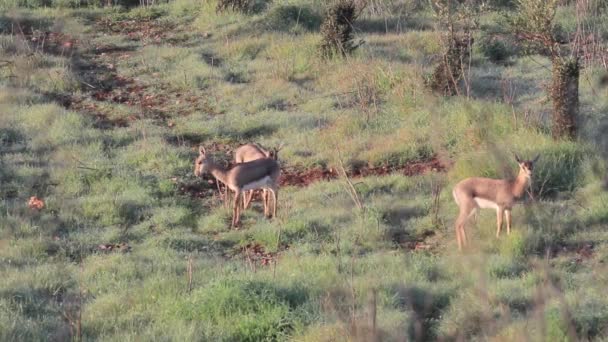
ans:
x=499 y=194
x=248 y=153
x=257 y=174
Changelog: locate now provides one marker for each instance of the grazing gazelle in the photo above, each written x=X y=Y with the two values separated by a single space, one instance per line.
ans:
x=256 y=174
x=251 y=152
x=498 y=194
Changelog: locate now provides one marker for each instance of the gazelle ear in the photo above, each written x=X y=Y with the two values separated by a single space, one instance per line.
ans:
x=201 y=150
x=517 y=158
x=536 y=158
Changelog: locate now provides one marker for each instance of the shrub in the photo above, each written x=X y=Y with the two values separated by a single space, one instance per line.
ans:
x=450 y=71
x=558 y=169
x=242 y=6
x=337 y=29
x=292 y=18
x=495 y=49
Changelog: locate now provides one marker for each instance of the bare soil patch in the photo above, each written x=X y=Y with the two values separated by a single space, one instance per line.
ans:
x=294 y=177
x=144 y=30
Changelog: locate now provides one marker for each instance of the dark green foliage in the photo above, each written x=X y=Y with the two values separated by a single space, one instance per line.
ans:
x=448 y=74
x=292 y=18
x=501 y=3
x=495 y=49
x=337 y=29
x=426 y=308
x=558 y=170
x=233 y=5
x=242 y=6
x=564 y=93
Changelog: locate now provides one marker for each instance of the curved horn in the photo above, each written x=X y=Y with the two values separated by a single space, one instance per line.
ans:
x=517 y=158
x=536 y=158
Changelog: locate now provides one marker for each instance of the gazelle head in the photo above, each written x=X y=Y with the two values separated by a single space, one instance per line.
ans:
x=201 y=163
x=274 y=153
x=526 y=167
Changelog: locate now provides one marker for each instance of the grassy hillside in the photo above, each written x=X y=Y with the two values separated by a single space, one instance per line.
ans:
x=101 y=112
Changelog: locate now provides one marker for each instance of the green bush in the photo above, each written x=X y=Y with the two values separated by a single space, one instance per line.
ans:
x=243 y=6
x=292 y=18
x=557 y=329
x=337 y=29
x=495 y=49
x=559 y=169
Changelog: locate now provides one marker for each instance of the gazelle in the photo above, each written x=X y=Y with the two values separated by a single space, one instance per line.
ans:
x=499 y=194
x=257 y=174
x=251 y=152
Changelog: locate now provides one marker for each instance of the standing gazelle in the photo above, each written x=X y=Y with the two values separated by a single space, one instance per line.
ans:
x=247 y=153
x=257 y=174
x=498 y=194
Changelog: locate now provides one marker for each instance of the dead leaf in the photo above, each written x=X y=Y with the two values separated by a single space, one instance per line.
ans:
x=35 y=203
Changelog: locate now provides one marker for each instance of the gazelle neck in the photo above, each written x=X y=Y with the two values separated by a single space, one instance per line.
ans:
x=218 y=171
x=520 y=184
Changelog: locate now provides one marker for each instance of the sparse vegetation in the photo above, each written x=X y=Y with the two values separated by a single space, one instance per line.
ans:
x=106 y=234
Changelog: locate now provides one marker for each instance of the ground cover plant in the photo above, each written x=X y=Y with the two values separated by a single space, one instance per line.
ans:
x=106 y=234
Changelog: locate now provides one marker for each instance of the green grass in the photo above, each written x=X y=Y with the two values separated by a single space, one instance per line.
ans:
x=121 y=171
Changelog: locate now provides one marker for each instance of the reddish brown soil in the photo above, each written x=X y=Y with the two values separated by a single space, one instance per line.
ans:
x=292 y=177
x=147 y=31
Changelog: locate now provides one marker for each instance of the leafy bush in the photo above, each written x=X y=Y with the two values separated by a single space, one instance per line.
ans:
x=447 y=75
x=495 y=49
x=243 y=6
x=292 y=18
x=558 y=169
x=337 y=29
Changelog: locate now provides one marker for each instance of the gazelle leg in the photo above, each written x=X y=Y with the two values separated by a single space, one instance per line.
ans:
x=458 y=237
x=265 y=201
x=275 y=198
x=247 y=198
x=235 y=211
x=499 y=214
x=467 y=210
x=508 y=218
x=250 y=199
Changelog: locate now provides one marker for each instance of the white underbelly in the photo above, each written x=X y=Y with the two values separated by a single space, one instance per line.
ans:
x=259 y=184
x=485 y=204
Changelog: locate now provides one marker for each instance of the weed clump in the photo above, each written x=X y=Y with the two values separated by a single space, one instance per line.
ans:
x=292 y=18
x=337 y=29
x=447 y=75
